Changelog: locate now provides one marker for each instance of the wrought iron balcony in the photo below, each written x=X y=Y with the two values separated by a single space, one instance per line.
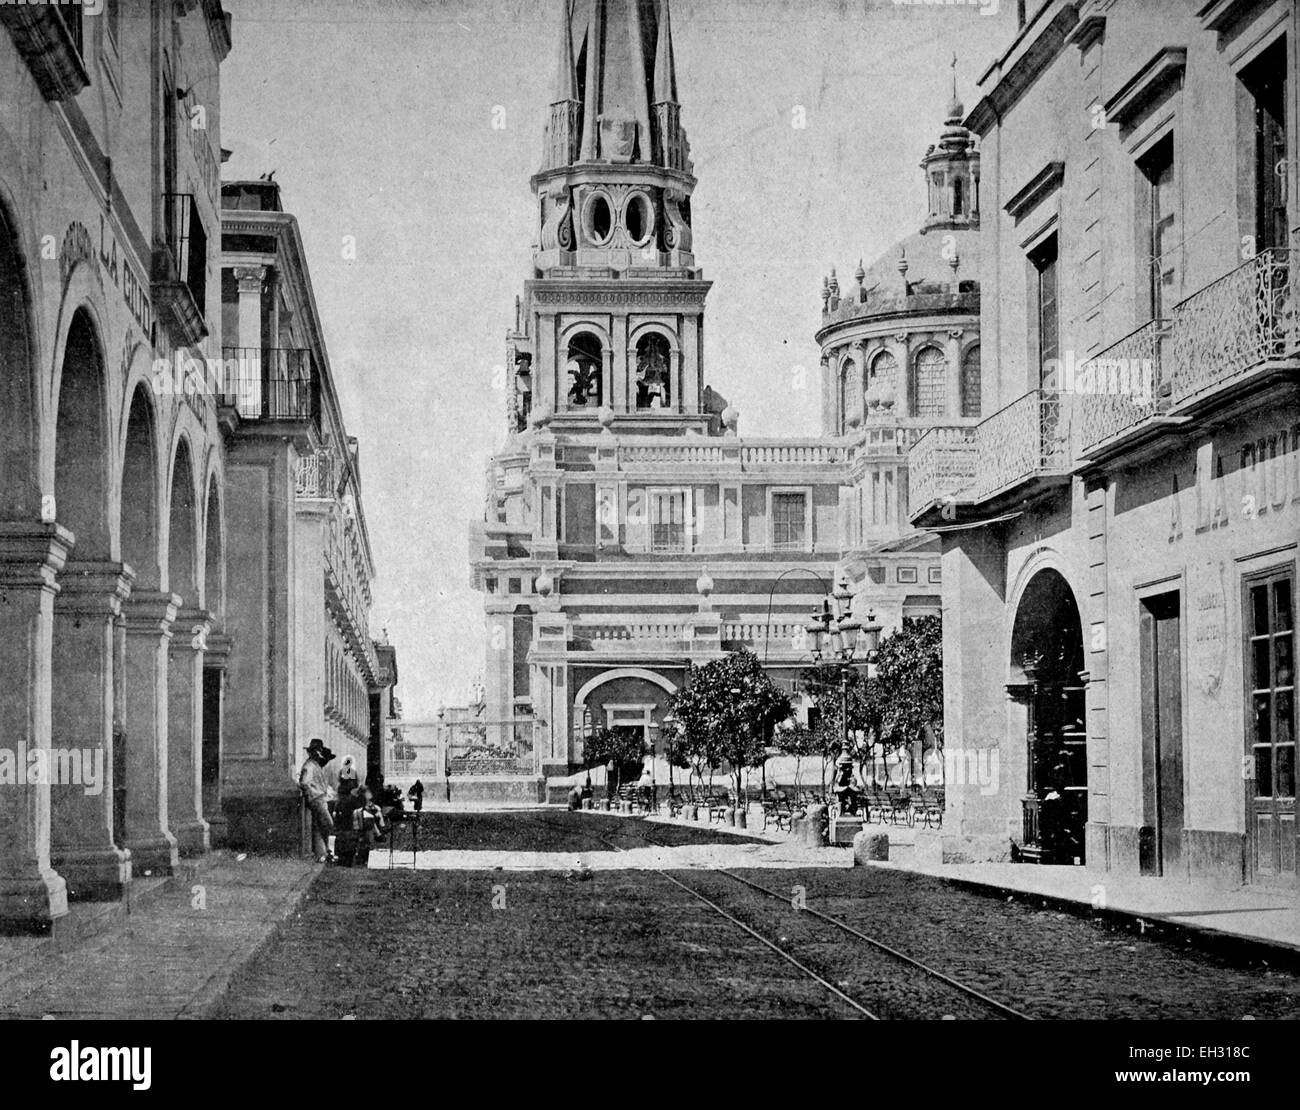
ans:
x=1122 y=386
x=180 y=269
x=1030 y=438
x=1233 y=325
x=941 y=463
x=271 y=383
x=50 y=39
x=1026 y=442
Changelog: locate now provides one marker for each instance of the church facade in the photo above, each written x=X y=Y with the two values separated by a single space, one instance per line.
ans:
x=629 y=530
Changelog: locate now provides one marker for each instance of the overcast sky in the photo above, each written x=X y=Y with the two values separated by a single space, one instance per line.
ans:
x=377 y=118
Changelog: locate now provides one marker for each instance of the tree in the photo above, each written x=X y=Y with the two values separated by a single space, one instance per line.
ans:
x=802 y=743
x=909 y=678
x=618 y=746
x=864 y=707
x=728 y=710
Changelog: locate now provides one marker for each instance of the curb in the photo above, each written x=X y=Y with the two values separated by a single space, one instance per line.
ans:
x=210 y=995
x=1233 y=947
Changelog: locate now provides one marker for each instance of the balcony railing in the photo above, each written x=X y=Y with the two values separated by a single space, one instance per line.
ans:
x=1030 y=436
x=1232 y=325
x=274 y=383
x=787 y=454
x=1120 y=387
x=605 y=633
x=941 y=463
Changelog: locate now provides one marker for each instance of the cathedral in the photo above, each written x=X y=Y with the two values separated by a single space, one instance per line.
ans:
x=629 y=530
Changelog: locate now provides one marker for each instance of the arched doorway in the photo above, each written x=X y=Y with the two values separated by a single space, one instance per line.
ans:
x=185 y=664
x=91 y=590
x=30 y=891
x=138 y=515
x=631 y=700
x=1047 y=650
x=214 y=660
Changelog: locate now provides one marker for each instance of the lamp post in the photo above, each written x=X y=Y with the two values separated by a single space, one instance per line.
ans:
x=670 y=731
x=838 y=639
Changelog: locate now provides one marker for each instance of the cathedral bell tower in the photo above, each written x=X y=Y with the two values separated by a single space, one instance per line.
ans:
x=610 y=331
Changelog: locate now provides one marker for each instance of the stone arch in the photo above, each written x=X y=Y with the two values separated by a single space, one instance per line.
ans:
x=927 y=383
x=182 y=527
x=882 y=375
x=622 y=672
x=647 y=327
x=655 y=365
x=20 y=486
x=214 y=551
x=845 y=377
x=1046 y=659
x=82 y=457
x=971 y=403
x=138 y=503
x=586 y=352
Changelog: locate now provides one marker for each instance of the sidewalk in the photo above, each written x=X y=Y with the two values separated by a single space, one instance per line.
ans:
x=168 y=955
x=1256 y=917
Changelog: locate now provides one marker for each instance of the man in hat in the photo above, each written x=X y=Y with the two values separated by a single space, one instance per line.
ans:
x=315 y=790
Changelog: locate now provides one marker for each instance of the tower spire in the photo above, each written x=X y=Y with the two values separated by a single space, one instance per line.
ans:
x=563 y=130
x=565 y=78
x=665 y=63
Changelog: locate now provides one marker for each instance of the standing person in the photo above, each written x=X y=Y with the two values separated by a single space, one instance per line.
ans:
x=368 y=825
x=417 y=795
x=347 y=778
x=314 y=784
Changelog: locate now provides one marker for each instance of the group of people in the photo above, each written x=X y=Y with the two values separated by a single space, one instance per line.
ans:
x=347 y=825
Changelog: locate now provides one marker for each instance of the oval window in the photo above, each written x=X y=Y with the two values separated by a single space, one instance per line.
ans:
x=600 y=220
x=638 y=218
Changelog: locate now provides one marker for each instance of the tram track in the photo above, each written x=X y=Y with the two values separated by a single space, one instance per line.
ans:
x=803 y=914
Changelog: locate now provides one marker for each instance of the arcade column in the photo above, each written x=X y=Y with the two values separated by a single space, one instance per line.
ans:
x=185 y=653
x=83 y=847
x=32 y=895
x=148 y=617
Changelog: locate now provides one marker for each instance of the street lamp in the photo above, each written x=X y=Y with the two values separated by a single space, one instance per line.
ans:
x=671 y=731
x=838 y=639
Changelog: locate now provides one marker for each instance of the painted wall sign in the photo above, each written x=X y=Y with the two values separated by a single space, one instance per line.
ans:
x=1209 y=643
x=80 y=246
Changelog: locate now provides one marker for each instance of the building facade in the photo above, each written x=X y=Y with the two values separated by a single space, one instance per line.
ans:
x=302 y=656
x=112 y=487
x=1119 y=533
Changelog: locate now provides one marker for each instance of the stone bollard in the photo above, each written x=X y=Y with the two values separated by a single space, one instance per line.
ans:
x=742 y=820
x=729 y=817
x=869 y=847
x=691 y=812
x=810 y=830
x=588 y=804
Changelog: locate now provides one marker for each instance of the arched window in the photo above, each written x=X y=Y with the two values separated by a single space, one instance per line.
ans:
x=882 y=382
x=848 y=376
x=958 y=200
x=585 y=368
x=653 y=372
x=927 y=383
x=970 y=382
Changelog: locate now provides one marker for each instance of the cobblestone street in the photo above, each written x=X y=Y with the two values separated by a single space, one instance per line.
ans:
x=592 y=942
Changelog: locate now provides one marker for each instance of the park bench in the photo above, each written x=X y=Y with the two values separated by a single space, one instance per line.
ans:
x=900 y=806
x=930 y=809
x=778 y=811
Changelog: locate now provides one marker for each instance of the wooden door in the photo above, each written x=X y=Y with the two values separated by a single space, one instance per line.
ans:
x=1160 y=626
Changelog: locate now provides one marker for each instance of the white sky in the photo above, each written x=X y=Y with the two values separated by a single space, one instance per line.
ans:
x=376 y=116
